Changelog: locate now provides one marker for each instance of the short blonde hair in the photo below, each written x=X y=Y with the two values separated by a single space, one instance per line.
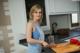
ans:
x=34 y=7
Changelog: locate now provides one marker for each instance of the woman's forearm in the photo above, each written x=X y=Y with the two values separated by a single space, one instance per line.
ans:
x=34 y=41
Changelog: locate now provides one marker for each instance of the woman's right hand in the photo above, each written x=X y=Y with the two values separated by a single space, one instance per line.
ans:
x=45 y=44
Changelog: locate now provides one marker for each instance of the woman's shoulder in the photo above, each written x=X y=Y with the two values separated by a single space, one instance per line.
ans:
x=30 y=23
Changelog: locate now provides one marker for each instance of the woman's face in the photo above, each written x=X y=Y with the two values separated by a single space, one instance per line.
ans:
x=37 y=14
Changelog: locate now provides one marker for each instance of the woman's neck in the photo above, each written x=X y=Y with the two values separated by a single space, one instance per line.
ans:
x=35 y=21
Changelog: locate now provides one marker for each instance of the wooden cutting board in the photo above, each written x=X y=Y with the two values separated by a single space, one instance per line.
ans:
x=62 y=48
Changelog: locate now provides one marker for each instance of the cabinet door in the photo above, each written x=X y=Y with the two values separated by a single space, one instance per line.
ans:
x=65 y=6
x=62 y=6
x=51 y=6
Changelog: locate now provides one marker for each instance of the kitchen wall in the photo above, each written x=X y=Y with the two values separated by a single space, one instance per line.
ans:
x=18 y=15
x=18 y=20
x=63 y=21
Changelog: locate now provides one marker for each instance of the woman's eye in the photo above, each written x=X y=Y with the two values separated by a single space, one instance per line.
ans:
x=37 y=12
x=40 y=12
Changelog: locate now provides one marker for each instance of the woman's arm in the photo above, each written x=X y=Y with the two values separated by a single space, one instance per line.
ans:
x=29 y=36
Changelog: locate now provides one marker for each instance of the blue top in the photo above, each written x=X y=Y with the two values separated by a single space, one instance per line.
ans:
x=37 y=34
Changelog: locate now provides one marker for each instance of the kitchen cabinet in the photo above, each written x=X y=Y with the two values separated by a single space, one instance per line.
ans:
x=51 y=6
x=62 y=6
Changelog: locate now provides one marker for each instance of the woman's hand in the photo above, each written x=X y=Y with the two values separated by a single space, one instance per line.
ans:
x=45 y=44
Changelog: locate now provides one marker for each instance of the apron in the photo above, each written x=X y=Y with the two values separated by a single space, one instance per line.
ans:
x=38 y=35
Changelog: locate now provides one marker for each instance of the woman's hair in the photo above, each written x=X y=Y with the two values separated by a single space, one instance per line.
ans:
x=34 y=7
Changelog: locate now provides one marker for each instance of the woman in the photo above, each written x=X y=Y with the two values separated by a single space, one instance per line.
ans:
x=35 y=36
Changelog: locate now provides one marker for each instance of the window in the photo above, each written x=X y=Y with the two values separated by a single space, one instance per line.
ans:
x=74 y=18
x=74 y=22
